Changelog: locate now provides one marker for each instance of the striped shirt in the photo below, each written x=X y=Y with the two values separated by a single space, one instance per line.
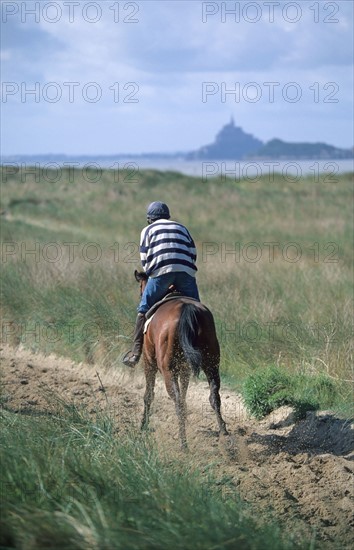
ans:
x=167 y=246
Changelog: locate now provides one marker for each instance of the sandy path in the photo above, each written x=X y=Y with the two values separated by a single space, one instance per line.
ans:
x=303 y=471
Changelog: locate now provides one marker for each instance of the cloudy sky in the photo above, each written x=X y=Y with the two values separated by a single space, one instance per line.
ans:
x=111 y=77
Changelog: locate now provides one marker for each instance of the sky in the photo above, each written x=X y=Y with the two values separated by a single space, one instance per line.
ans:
x=111 y=77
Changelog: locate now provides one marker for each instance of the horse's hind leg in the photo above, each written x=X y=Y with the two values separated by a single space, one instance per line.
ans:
x=178 y=395
x=184 y=382
x=150 y=376
x=212 y=374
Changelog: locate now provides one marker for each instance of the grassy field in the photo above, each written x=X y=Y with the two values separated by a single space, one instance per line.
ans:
x=275 y=267
x=274 y=258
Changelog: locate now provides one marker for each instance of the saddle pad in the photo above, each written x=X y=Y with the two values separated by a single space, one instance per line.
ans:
x=147 y=323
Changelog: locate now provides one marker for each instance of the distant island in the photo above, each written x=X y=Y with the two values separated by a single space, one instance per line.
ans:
x=231 y=143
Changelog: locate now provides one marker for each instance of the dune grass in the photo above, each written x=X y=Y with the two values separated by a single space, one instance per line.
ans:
x=69 y=481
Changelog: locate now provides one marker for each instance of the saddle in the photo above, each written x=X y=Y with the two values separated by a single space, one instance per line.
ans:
x=170 y=296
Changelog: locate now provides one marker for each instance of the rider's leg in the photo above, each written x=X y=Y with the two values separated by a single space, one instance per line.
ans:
x=132 y=357
x=186 y=284
x=156 y=288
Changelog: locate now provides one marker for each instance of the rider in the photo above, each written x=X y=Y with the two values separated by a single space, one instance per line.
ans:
x=168 y=256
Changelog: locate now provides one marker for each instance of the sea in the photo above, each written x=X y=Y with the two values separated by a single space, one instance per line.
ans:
x=251 y=170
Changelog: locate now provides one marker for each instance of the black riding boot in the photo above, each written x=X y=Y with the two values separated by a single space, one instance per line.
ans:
x=131 y=358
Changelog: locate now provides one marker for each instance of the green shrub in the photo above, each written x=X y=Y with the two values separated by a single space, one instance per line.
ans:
x=266 y=390
x=272 y=387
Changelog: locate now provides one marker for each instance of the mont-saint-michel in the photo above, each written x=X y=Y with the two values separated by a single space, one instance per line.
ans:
x=231 y=143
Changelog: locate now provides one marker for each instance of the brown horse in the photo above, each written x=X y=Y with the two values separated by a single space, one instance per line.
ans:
x=181 y=339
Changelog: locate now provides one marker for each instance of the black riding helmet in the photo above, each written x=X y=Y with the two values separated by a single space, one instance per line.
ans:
x=157 y=210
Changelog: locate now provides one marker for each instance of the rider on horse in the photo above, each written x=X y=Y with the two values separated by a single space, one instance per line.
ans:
x=168 y=256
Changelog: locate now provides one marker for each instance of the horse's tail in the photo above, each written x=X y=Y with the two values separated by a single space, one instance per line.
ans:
x=188 y=332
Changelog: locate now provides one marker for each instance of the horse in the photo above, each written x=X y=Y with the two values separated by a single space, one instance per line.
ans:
x=180 y=339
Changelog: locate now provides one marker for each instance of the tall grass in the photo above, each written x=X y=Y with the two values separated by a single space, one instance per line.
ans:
x=68 y=481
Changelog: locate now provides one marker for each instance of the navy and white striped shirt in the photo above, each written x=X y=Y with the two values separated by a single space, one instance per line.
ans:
x=167 y=246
